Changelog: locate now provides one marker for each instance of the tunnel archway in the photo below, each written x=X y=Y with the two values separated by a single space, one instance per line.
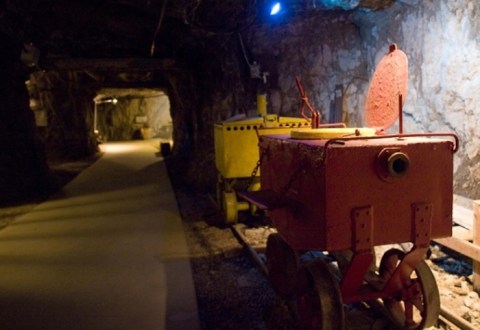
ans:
x=122 y=114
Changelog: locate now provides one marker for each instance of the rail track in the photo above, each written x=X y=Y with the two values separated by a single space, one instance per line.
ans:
x=358 y=316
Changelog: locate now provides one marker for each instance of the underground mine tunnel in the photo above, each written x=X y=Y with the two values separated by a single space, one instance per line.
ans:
x=77 y=76
x=211 y=60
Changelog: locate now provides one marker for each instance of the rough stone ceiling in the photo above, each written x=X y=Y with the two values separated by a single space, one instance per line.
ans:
x=148 y=31
x=128 y=28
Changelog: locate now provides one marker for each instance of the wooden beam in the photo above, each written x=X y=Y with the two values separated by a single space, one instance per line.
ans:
x=459 y=245
x=476 y=240
x=462 y=246
x=110 y=64
x=462 y=211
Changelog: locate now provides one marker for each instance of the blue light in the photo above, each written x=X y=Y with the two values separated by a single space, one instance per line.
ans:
x=275 y=8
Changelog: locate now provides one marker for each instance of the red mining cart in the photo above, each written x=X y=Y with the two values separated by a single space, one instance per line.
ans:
x=346 y=195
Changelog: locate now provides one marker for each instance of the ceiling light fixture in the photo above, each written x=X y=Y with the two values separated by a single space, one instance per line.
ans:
x=277 y=6
x=112 y=100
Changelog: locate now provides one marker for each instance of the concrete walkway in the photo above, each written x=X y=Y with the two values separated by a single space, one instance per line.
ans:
x=108 y=254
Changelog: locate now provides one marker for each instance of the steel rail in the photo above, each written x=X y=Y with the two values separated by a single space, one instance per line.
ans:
x=243 y=240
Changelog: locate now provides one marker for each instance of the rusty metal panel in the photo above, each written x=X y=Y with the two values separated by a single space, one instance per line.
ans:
x=296 y=171
x=331 y=179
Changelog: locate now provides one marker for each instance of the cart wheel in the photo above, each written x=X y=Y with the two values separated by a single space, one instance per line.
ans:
x=230 y=207
x=416 y=311
x=282 y=265
x=319 y=300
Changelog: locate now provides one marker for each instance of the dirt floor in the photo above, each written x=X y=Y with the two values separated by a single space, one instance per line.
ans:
x=232 y=291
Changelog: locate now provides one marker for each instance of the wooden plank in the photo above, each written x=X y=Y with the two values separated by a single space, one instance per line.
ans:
x=463 y=247
x=462 y=212
x=462 y=233
x=468 y=218
x=476 y=240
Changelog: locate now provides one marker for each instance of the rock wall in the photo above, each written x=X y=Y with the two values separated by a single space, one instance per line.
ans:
x=214 y=88
x=326 y=52
x=23 y=169
x=68 y=108
x=336 y=54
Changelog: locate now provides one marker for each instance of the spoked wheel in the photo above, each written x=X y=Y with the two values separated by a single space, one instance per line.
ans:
x=319 y=301
x=418 y=306
x=282 y=265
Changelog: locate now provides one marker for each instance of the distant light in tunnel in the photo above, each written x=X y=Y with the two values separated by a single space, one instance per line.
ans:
x=276 y=7
x=120 y=147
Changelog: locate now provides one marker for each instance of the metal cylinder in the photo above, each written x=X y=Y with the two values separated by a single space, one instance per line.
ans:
x=262 y=104
x=398 y=164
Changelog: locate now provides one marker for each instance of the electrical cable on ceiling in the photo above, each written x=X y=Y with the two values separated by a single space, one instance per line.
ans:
x=159 y=25
x=244 y=52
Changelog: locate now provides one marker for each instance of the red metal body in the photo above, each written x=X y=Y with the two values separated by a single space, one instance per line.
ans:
x=347 y=195
x=322 y=182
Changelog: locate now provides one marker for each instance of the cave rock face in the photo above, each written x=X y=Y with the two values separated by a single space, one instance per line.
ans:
x=23 y=167
x=336 y=55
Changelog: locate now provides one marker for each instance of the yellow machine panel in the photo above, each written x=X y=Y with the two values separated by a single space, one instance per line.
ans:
x=236 y=142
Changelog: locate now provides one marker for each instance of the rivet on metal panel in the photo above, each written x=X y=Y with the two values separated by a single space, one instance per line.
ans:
x=422 y=221
x=362 y=224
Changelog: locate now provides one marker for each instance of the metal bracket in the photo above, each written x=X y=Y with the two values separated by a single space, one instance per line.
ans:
x=422 y=224
x=362 y=244
x=362 y=225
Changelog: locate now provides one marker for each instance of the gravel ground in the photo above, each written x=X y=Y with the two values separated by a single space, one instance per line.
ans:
x=232 y=293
